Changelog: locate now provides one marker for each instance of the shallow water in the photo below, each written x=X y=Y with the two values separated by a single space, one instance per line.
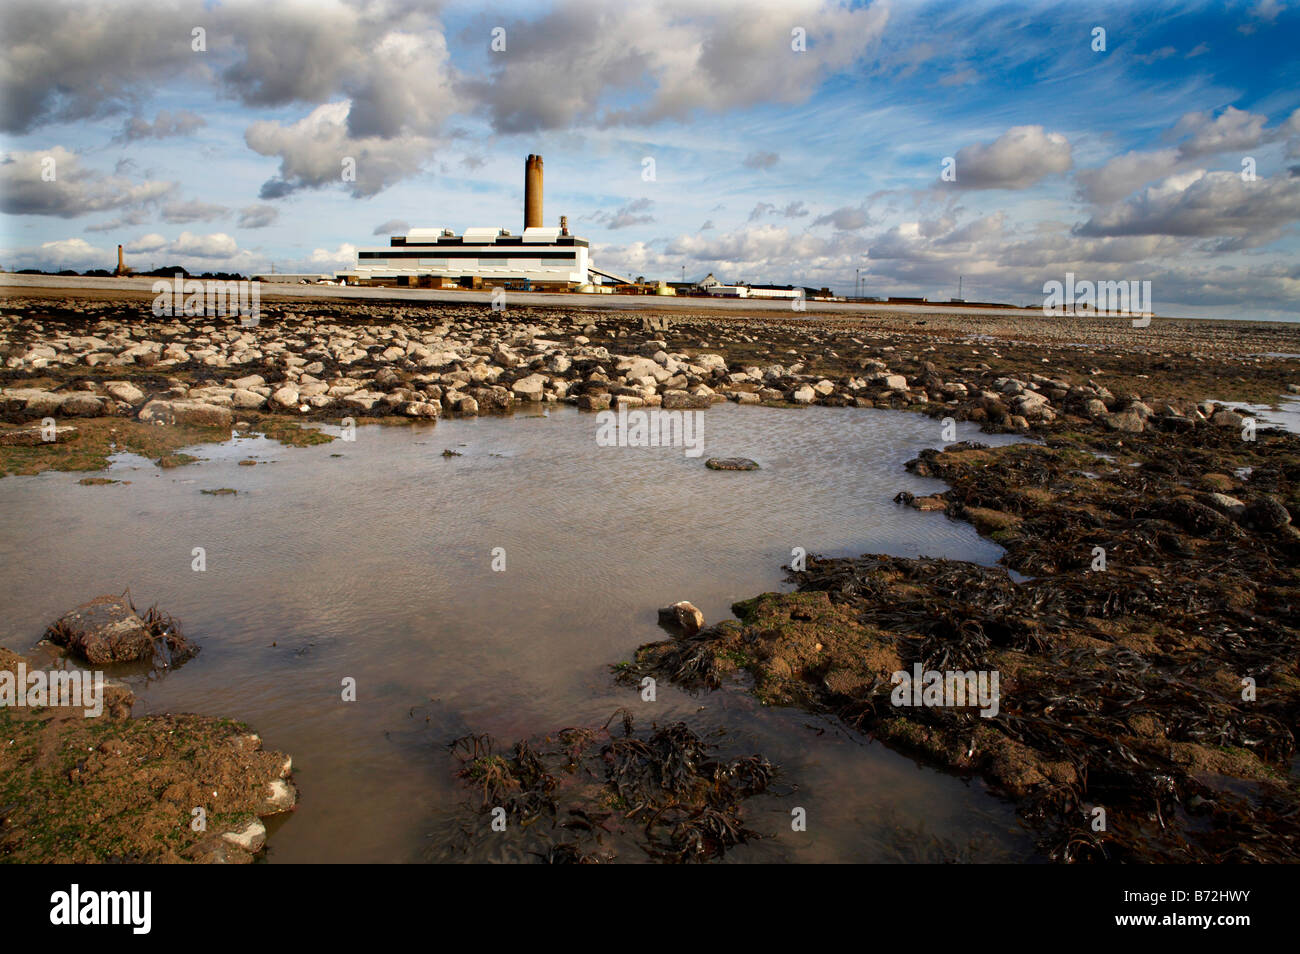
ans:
x=372 y=559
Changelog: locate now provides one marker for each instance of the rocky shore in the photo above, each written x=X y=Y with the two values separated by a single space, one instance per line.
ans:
x=1148 y=652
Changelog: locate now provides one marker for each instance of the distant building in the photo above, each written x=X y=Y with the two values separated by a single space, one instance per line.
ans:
x=542 y=259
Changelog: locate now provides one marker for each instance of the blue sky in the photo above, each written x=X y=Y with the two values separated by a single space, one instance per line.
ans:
x=770 y=163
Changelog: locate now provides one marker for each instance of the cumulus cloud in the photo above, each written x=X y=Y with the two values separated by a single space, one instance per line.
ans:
x=1198 y=135
x=26 y=186
x=152 y=242
x=215 y=245
x=344 y=256
x=1204 y=204
x=1019 y=158
x=313 y=151
x=392 y=227
x=258 y=216
x=671 y=59
x=164 y=126
x=1208 y=135
x=1121 y=175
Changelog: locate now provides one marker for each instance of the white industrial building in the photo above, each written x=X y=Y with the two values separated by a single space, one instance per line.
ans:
x=545 y=259
x=540 y=257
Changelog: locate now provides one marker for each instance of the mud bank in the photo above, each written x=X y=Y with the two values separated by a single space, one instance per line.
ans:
x=82 y=781
x=1148 y=668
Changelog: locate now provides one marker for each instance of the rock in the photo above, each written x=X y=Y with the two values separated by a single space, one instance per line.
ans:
x=280 y=797
x=730 y=463
x=682 y=400
x=124 y=391
x=43 y=403
x=35 y=436
x=286 y=396
x=1129 y=421
x=185 y=412
x=1227 y=419
x=803 y=395
x=82 y=405
x=1225 y=504
x=890 y=382
x=709 y=362
x=684 y=616
x=1094 y=409
x=242 y=397
x=1266 y=513
x=107 y=630
x=422 y=409
x=930 y=503
x=250 y=838
x=594 y=402
x=530 y=388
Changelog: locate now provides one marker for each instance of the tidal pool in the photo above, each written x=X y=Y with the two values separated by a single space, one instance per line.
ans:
x=373 y=559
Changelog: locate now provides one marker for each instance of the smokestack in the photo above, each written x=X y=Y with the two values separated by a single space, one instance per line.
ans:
x=533 y=192
x=564 y=225
x=121 y=263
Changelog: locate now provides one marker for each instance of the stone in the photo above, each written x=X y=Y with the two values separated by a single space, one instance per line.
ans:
x=124 y=391
x=684 y=615
x=594 y=402
x=730 y=463
x=530 y=388
x=682 y=400
x=103 y=631
x=286 y=396
x=803 y=395
x=242 y=397
x=250 y=838
x=185 y=412
x=81 y=404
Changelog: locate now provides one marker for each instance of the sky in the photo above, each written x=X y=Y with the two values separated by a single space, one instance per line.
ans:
x=802 y=141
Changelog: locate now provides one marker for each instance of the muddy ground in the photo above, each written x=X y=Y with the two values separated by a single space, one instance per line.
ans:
x=112 y=788
x=1147 y=655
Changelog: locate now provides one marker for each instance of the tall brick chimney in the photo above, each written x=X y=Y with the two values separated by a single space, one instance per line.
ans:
x=533 y=192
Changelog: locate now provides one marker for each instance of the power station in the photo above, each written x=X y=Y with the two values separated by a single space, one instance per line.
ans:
x=540 y=259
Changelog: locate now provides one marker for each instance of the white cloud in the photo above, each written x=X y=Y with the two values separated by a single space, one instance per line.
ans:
x=26 y=189
x=1019 y=158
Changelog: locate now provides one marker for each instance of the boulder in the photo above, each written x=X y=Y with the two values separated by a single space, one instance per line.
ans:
x=124 y=391
x=683 y=400
x=108 y=630
x=683 y=615
x=530 y=388
x=195 y=413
